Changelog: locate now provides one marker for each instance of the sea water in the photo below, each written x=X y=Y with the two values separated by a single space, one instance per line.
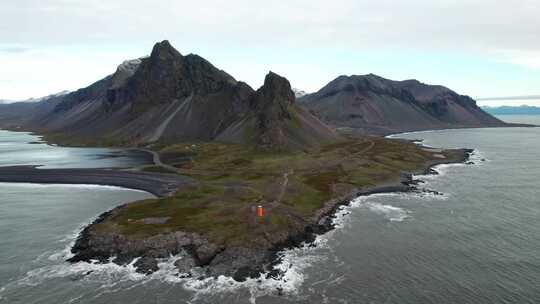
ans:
x=476 y=242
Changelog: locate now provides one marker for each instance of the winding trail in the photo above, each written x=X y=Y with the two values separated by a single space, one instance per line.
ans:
x=157 y=160
x=284 y=185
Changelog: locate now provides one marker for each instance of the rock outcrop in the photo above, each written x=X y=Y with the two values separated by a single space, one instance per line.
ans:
x=276 y=122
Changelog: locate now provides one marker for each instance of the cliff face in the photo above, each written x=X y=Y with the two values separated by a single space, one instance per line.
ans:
x=373 y=104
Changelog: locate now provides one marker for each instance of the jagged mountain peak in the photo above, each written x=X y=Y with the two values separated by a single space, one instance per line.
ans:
x=279 y=123
x=164 y=50
x=277 y=89
x=171 y=97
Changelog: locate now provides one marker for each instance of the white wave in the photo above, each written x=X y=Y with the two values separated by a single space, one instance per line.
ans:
x=478 y=158
x=108 y=275
x=431 y=196
x=393 y=214
x=66 y=253
x=293 y=263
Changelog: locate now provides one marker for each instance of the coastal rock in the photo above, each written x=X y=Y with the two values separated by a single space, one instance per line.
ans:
x=206 y=252
x=185 y=264
x=146 y=265
x=102 y=246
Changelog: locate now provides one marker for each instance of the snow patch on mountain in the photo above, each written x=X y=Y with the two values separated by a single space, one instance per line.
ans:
x=298 y=93
x=38 y=99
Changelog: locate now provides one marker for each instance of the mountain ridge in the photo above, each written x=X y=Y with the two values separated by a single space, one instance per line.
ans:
x=170 y=97
x=375 y=105
x=512 y=110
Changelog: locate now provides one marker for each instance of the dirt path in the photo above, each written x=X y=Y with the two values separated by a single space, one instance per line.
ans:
x=284 y=185
x=157 y=160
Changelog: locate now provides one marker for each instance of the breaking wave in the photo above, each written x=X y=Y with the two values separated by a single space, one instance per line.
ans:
x=105 y=277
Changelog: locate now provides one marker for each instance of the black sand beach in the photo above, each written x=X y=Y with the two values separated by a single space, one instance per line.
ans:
x=158 y=184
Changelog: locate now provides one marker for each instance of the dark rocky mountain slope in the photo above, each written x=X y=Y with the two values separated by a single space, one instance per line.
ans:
x=375 y=105
x=169 y=97
x=275 y=122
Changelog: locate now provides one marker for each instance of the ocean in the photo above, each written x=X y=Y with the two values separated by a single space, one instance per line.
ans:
x=478 y=241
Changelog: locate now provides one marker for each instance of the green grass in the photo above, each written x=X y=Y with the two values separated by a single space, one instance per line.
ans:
x=233 y=178
x=157 y=169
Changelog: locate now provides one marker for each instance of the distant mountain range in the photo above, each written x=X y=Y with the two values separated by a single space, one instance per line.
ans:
x=528 y=97
x=512 y=110
x=5 y=101
x=169 y=97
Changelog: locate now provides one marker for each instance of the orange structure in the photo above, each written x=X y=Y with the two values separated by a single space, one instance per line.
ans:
x=260 y=211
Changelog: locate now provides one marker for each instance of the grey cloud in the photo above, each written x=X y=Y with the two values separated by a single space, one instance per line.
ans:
x=476 y=25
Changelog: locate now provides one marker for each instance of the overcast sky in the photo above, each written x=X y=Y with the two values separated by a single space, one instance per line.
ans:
x=482 y=48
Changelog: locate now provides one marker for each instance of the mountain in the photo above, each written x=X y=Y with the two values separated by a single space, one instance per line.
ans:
x=511 y=110
x=526 y=97
x=62 y=93
x=375 y=105
x=276 y=122
x=169 y=97
x=19 y=114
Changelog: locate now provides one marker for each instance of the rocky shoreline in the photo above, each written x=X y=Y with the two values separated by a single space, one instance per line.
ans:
x=239 y=263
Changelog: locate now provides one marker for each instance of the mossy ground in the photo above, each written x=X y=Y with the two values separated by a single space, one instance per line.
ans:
x=156 y=169
x=290 y=185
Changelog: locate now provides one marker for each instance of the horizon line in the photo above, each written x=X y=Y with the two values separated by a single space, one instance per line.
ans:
x=527 y=97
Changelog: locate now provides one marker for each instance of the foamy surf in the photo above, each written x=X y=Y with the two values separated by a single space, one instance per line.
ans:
x=478 y=158
x=292 y=274
x=389 y=212
x=108 y=276
x=393 y=214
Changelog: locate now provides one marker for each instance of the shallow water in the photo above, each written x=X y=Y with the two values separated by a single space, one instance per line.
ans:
x=478 y=242
x=22 y=148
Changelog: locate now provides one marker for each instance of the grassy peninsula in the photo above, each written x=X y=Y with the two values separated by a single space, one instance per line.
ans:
x=296 y=190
